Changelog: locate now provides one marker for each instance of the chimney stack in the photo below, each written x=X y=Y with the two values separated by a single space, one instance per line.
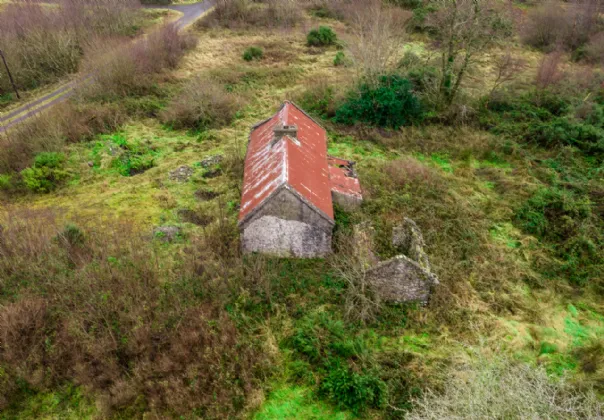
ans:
x=285 y=130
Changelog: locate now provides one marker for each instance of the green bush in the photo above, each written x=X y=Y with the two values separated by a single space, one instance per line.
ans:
x=390 y=103
x=545 y=119
x=5 y=182
x=353 y=390
x=564 y=131
x=329 y=346
x=322 y=37
x=340 y=59
x=72 y=236
x=252 y=53
x=553 y=213
x=47 y=172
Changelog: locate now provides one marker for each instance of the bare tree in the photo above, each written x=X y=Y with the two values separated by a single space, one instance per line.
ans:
x=377 y=35
x=464 y=29
x=506 y=69
x=548 y=72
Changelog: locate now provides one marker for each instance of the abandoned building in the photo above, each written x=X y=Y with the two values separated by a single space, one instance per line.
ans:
x=290 y=185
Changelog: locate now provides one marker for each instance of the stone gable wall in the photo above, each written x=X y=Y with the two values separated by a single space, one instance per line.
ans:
x=286 y=226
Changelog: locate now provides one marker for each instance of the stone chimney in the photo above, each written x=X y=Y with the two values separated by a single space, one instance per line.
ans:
x=285 y=130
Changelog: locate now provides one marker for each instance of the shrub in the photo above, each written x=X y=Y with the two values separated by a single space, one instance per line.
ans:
x=352 y=390
x=546 y=26
x=252 y=53
x=129 y=69
x=241 y=13
x=505 y=389
x=5 y=182
x=391 y=103
x=594 y=50
x=552 y=24
x=203 y=104
x=329 y=346
x=564 y=131
x=47 y=172
x=319 y=99
x=543 y=119
x=43 y=44
x=340 y=59
x=230 y=12
x=553 y=214
x=282 y=13
x=322 y=37
x=129 y=334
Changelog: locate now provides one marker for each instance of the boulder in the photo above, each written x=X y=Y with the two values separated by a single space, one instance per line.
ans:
x=181 y=174
x=211 y=161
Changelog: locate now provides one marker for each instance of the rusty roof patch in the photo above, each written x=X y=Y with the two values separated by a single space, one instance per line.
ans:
x=299 y=163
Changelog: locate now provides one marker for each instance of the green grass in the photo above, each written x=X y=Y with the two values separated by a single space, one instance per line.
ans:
x=66 y=403
x=296 y=403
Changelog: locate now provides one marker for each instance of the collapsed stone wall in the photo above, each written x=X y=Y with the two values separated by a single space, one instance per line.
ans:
x=407 y=277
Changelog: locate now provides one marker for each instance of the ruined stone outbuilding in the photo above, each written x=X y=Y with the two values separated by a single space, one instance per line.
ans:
x=290 y=185
x=408 y=277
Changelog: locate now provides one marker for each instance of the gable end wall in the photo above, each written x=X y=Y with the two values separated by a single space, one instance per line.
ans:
x=286 y=226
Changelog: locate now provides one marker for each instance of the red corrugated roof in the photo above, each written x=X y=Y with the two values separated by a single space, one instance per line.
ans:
x=342 y=177
x=299 y=163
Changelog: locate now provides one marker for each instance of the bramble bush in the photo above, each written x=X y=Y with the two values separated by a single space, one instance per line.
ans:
x=390 y=104
x=565 y=220
x=543 y=118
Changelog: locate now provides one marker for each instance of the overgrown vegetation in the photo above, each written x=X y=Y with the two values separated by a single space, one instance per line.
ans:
x=43 y=43
x=203 y=104
x=96 y=313
x=124 y=293
x=322 y=37
x=253 y=53
x=391 y=103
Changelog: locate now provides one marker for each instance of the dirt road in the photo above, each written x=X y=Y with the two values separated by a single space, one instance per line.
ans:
x=190 y=13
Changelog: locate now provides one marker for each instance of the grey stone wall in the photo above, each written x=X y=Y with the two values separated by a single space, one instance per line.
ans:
x=285 y=238
x=287 y=226
x=400 y=279
x=346 y=201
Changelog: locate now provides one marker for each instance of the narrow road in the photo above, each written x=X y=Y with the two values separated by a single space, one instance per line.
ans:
x=190 y=13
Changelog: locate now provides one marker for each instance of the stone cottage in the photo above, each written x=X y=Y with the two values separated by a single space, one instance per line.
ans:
x=290 y=185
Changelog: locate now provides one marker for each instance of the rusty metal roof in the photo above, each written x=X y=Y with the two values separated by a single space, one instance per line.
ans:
x=297 y=163
x=343 y=178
